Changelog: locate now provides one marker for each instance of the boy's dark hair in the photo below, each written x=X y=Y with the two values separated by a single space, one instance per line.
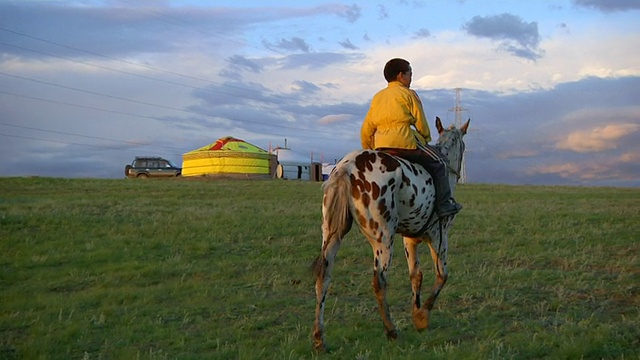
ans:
x=393 y=67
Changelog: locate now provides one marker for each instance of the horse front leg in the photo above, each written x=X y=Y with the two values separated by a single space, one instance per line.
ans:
x=439 y=256
x=383 y=254
x=419 y=314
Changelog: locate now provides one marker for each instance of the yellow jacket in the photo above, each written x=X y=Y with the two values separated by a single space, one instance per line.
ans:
x=388 y=123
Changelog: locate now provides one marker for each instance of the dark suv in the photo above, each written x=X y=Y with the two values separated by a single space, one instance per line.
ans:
x=144 y=167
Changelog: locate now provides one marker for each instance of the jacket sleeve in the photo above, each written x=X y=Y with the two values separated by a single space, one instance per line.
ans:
x=421 y=120
x=367 y=133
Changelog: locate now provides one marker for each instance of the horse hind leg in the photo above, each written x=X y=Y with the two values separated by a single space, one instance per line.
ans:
x=322 y=267
x=383 y=254
x=420 y=316
x=336 y=223
x=332 y=234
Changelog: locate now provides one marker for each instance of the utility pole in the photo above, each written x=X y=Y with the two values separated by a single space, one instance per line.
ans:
x=457 y=111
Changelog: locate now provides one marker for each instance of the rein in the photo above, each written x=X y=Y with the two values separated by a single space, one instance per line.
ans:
x=455 y=172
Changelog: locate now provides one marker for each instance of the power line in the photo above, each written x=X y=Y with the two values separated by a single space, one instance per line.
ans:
x=176 y=21
x=68 y=142
x=99 y=66
x=148 y=67
x=83 y=136
x=179 y=22
x=131 y=74
x=165 y=120
x=103 y=56
x=208 y=89
x=127 y=62
x=139 y=102
x=78 y=105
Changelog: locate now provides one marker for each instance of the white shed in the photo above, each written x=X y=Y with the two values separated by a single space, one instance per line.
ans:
x=295 y=166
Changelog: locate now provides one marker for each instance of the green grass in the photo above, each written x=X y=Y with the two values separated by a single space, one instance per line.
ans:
x=189 y=269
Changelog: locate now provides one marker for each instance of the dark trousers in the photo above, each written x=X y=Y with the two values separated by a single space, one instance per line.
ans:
x=431 y=159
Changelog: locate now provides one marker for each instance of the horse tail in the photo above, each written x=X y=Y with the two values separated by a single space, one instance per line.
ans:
x=336 y=213
x=337 y=218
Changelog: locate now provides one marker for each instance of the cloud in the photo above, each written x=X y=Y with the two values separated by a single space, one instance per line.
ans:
x=515 y=35
x=197 y=72
x=306 y=86
x=329 y=119
x=84 y=30
x=352 y=13
x=382 y=12
x=630 y=157
x=609 y=5
x=315 y=60
x=517 y=153
x=244 y=63
x=348 y=45
x=514 y=137
x=294 y=44
x=134 y=28
x=232 y=93
x=422 y=33
x=598 y=169
x=599 y=138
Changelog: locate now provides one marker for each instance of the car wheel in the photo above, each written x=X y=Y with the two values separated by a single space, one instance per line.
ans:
x=126 y=170
x=143 y=176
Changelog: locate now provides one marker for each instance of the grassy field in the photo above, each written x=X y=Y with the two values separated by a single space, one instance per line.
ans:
x=193 y=269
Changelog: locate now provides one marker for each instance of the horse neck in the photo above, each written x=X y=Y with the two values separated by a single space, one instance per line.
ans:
x=455 y=164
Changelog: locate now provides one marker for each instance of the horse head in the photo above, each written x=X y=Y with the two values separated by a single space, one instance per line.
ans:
x=451 y=145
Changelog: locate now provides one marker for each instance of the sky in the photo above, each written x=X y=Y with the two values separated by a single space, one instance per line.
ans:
x=552 y=87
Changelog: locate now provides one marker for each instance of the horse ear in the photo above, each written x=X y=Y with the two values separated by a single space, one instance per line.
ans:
x=465 y=126
x=439 y=126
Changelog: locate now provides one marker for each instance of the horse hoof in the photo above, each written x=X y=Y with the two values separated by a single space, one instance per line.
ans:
x=319 y=347
x=392 y=334
x=420 y=319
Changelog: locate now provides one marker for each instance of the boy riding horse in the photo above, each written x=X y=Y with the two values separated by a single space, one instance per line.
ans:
x=387 y=127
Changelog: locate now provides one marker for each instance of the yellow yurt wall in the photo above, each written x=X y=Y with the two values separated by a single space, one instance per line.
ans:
x=228 y=156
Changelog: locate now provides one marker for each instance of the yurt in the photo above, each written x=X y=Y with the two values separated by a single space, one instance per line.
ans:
x=229 y=157
x=293 y=166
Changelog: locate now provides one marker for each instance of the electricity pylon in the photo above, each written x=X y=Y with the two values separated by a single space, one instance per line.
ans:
x=457 y=111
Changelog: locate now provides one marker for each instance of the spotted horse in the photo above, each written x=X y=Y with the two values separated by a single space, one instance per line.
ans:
x=386 y=195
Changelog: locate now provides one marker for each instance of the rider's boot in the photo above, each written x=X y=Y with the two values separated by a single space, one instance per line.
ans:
x=445 y=204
